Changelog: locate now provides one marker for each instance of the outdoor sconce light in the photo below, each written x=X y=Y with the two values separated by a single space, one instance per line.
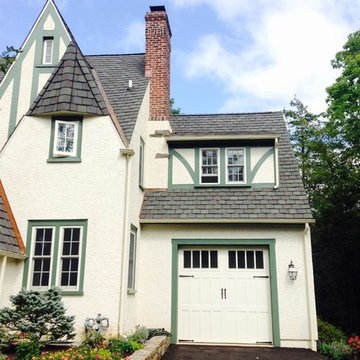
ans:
x=292 y=271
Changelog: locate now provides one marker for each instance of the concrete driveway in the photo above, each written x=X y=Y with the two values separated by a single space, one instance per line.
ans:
x=210 y=352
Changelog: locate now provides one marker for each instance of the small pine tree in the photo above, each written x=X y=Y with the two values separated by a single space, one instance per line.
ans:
x=38 y=316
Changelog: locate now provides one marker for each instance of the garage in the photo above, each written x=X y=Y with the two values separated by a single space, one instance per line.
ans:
x=224 y=295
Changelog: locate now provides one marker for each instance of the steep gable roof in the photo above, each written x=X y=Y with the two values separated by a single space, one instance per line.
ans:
x=70 y=88
x=10 y=238
x=286 y=203
x=114 y=72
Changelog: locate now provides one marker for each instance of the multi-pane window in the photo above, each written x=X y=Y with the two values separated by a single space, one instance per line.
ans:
x=42 y=257
x=56 y=254
x=246 y=259
x=48 y=49
x=69 y=268
x=235 y=165
x=204 y=259
x=65 y=138
x=209 y=166
x=132 y=253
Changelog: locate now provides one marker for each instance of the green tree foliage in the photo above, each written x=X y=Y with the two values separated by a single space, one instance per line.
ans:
x=329 y=156
x=38 y=316
x=7 y=57
x=174 y=111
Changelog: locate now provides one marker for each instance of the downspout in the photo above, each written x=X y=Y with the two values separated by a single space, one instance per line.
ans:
x=2 y=274
x=310 y=287
x=276 y=164
x=127 y=153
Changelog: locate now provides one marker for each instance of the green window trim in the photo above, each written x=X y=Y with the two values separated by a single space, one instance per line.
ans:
x=55 y=257
x=269 y=243
x=131 y=278
x=195 y=174
x=66 y=159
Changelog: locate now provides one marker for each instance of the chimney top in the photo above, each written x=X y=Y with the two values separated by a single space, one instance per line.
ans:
x=157 y=8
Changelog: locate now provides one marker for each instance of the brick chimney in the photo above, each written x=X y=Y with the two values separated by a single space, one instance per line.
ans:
x=157 y=62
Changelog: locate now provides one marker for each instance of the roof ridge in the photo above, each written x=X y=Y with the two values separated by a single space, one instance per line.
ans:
x=222 y=114
x=93 y=55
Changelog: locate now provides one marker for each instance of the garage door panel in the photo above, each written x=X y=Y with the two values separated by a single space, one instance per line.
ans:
x=227 y=303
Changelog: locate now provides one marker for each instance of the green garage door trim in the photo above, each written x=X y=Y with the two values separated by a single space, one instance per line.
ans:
x=270 y=243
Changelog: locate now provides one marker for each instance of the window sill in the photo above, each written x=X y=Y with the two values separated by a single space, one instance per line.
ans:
x=222 y=185
x=131 y=292
x=46 y=66
x=141 y=187
x=64 y=160
x=72 y=293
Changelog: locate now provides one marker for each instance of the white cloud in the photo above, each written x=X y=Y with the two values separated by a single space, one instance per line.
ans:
x=292 y=45
x=132 y=38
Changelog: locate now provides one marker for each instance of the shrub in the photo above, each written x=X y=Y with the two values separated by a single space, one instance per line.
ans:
x=158 y=332
x=94 y=339
x=38 y=316
x=26 y=350
x=140 y=334
x=335 y=350
x=329 y=333
x=80 y=353
x=3 y=356
x=119 y=346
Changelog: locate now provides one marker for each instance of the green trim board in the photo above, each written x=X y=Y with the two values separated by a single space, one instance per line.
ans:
x=56 y=159
x=56 y=224
x=249 y=174
x=35 y=39
x=270 y=243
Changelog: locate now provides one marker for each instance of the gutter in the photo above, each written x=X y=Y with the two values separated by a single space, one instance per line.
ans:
x=128 y=153
x=219 y=137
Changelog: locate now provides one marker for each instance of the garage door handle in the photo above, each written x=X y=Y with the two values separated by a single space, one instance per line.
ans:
x=186 y=275
x=223 y=294
x=260 y=277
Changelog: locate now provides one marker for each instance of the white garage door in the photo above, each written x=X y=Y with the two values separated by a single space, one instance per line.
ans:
x=224 y=295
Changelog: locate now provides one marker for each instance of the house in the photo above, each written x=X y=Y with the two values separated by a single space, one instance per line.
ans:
x=183 y=222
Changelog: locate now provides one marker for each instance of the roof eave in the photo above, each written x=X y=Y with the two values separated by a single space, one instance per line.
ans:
x=12 y=255
x=221 y=137
x=227 y=221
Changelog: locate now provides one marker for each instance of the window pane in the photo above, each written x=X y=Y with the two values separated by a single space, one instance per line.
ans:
x=36 y=279
x=213 y=259
x=66 y=248
x=66 y=265
x=38 y=248
x=131 y=265
x=241 y=259
x=64 y=279
x=232 y=260
x=204 y=259
x=75 y=248
x=74 y=264
x=250 y=259
x=73 y=279
x=259 y=259
x=196 y=259
x=37 y=264
x=45 y=279
x=187 y=259
x=39 y=235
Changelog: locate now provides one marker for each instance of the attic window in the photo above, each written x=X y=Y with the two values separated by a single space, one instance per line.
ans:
x=65 y=141
x=48 y=50
x=209 y=166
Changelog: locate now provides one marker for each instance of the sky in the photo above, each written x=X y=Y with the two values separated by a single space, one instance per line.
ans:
x=228 y=56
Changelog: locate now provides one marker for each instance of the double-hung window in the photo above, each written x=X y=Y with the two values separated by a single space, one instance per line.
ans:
x=235 y=165
x=65 y=141
x=209 y=166
x=56 y=251
x=48 y=50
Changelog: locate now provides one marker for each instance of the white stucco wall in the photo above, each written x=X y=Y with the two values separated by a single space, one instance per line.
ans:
x=12 y=279
x=266 y=172
x=156 y=170
x=5 y=108
x=180 y=175
x=154 y=282
x=92 y=190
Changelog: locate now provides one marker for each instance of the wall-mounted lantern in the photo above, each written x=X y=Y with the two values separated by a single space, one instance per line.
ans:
x=292 y=271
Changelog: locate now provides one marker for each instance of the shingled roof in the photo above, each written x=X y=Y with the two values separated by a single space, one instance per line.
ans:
x=288 y=202
x=71 y=87
x=114 y=72
x=10 y=239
